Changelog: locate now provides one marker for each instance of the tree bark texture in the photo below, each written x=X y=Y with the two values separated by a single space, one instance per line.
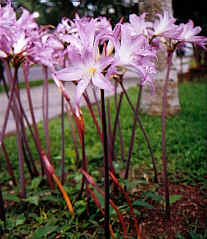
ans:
x=152 y=103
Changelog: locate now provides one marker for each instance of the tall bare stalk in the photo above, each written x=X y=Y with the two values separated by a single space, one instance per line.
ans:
x=143 y=131
x=45 y=108
x=164 y=159
x=34 y=124
x=106 y=168
x=133 y=134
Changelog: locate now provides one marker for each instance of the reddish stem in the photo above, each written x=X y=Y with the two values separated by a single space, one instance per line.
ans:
x=93 y=116
x=144 y=133
x=45 y=107
x=34 y=124
x=92 y=182
x=164 y=160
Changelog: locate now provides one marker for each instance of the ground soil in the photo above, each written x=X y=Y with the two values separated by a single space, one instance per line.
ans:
x=188 y=214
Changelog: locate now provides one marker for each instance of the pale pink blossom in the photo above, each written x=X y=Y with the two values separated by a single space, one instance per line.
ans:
x=165 y=26
x=133 y=53
x=139 y=25
x=85 y=70
x=188 y=33
x=47 y=50
x=7 y=16
x=16 y=35
x=26 y=22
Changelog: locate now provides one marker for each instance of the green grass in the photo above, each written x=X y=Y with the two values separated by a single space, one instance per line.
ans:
x=44 y=213
x=21 y=85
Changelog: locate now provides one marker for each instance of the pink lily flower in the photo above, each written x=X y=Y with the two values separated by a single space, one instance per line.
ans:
x=165 y=27
x=132 y=52
x=16 y=36
x=20 y=44
x=47 y=50
x=7 y=16
x=5 y=45
x=86 y=70
x=26 y=22
x=139 y=25
x=189 y=34
x=102 y=25
x=66 y=30
x=85 y=66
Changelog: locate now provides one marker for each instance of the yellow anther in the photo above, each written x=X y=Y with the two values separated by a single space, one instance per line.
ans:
x=92 y=70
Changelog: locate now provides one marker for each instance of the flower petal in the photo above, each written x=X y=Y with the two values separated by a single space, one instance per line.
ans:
x=2 y=54
x=80 y=88
x=69 y=74
x=103 y=62
x=102 y=82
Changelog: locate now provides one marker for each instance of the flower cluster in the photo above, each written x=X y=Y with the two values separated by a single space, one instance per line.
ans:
x=16 y=35
x=89 y=51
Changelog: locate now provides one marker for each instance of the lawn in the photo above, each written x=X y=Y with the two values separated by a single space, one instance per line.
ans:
x=21 y=85
x=43 y=213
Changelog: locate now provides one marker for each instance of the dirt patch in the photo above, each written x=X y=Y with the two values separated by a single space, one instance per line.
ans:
x=188 y=214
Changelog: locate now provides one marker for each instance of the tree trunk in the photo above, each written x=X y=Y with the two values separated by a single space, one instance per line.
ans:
x=152 y=103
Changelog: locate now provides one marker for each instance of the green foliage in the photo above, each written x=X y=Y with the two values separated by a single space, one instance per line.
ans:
x=174 y=198
x=51 y=12
x=193 y=235
x=154 y=196
x=33 y=200
x=43 y=231
x=32 y=84
x=142 y=203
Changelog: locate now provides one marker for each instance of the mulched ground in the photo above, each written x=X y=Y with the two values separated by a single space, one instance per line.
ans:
x=188 y=214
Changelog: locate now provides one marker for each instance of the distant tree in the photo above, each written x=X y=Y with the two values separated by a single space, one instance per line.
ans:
x=113 y=9
x=52 y=11
x=195 y=10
